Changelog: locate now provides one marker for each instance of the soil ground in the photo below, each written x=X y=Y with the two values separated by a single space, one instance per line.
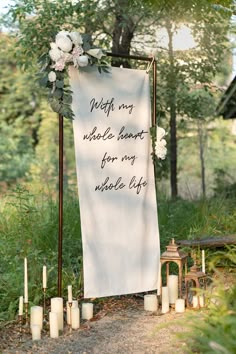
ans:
x=120 y=325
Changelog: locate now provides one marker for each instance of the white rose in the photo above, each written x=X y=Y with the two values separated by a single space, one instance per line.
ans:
x=96 y=53
x=76 y=38
x=160 y=133
x=55 y=54
x=82 y=60
x=161 y=149
x=161 y=152
x=52 y=76
x=64 y=43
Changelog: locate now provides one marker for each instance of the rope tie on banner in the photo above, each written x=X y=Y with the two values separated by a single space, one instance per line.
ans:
x=150 y=65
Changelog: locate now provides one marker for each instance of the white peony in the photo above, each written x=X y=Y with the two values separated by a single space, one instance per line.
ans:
x=76 y=38
x=52 y=76
x=62 y=34
x=64 y=43
x=55 y=54
x=161 y=149
x=96 y=53
x=82 y=61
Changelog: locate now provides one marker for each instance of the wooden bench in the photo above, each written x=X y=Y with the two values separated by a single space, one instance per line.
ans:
x=209 y=242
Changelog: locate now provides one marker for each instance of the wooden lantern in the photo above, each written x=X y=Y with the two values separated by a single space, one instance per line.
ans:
x=173 y=254
x=195 y=281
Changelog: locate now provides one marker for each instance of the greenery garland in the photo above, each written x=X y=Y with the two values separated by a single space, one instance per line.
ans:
x=69 y=48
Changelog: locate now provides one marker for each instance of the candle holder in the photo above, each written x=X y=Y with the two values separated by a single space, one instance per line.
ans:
x=195 y=281
x=174 y=255
x=26 y=304
x=45 y=322
x=70 y=307
x=20 y=319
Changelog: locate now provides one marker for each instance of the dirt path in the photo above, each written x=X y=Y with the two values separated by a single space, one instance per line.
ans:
x=122 y=329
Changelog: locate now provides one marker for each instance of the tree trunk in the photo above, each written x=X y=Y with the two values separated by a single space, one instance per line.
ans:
x=171 y=81
x=201 y=155
x=122 y=34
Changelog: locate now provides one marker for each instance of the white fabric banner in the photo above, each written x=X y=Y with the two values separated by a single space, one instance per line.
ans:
x=120 y=235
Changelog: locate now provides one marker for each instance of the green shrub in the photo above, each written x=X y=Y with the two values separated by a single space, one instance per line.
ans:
x=215 y=332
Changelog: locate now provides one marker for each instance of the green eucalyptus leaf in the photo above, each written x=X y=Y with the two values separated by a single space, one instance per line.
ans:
x=43 y=81
x=58 y=93
x=55 y=105
x=60 y=84
x=67 y=99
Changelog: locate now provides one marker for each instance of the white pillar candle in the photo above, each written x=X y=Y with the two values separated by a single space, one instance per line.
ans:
x=165 y=299
x=87 y=310
x=173 y=288
x=25 y=281
x=44 y=277
x=74 y=305
x=20 y=305
x=150 y=302
x=203 y=262
x=57 y=306
x=75 y=318
x=53 y=324
x=69 y=293
x=180 y=305
x=36 y=316
x=201 y=301
x=36 y=332
x=195 y=301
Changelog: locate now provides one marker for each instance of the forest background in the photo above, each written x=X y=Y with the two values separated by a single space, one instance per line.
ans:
x=196 y=184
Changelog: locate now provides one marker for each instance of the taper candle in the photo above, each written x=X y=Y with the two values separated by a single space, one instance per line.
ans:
x=20 y=305
x=25 y=281
x=69 y=293
x=203 y=262
x=44 y=277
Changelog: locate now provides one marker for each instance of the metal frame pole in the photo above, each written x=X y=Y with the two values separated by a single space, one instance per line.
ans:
x=60 y=234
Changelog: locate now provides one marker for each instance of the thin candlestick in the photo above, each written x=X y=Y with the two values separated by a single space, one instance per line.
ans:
x=20 y=318
x=70 y=307
x=203 y=262
x=44 y=307
x=26 y=304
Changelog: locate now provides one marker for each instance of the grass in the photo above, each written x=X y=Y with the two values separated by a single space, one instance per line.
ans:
x=29 y=227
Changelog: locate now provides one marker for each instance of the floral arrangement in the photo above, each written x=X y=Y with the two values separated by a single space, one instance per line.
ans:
x=69 y=48
x=160 y=144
